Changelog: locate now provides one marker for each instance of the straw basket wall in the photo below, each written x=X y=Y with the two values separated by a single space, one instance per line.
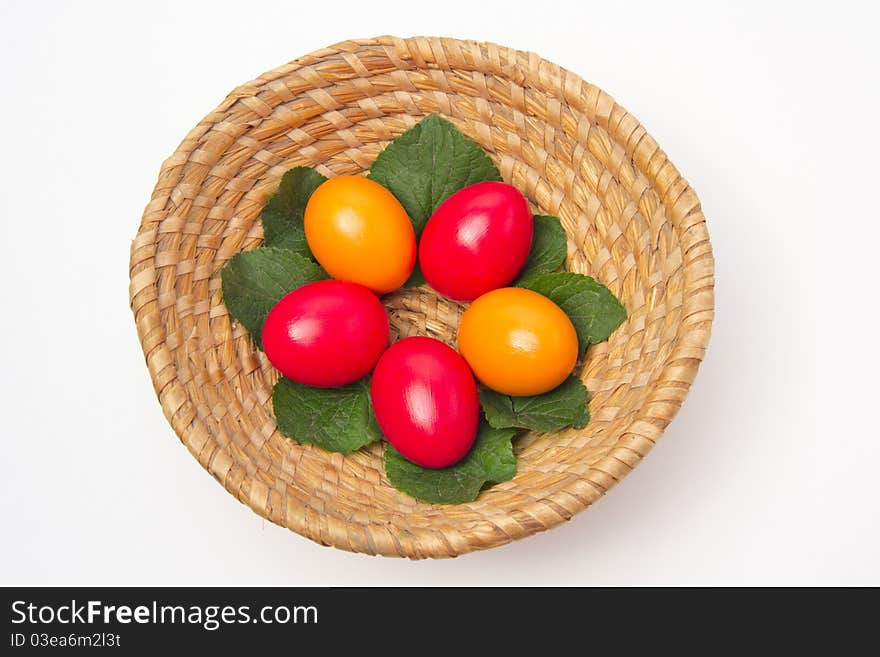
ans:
x=632 y=222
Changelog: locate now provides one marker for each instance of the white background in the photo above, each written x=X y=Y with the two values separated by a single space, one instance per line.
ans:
x=767 y=476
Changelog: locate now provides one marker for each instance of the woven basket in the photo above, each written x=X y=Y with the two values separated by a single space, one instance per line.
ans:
x=632 y=222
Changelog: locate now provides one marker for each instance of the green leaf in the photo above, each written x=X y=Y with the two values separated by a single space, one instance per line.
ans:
x=548 y=247
x=561 y=407
x=415 y=279
x=336 y=419
x=283 y=214
x=254 y=281
x=428 y=163
x=592 y=308
x=490 y=460
x=494 y=453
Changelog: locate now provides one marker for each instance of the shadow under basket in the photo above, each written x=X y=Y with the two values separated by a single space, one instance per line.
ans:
x=632 y=222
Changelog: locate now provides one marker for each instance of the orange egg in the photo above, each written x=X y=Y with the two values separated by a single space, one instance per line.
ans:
x=517 y=342
x=359 y=232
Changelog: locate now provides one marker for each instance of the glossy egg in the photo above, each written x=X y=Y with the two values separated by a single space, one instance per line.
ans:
x=425 y=400
x=477 y=240
x=359 y=232
x=326 y=333
x=517 y=342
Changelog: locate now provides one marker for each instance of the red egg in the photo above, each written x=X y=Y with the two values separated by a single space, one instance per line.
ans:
x=425 y=400
x=477 y=240
x=326 y=333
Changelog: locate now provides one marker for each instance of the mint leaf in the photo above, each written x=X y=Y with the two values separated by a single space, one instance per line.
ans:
x=493 y=451
x=561 y=407
x=548 y=247
x=592 y=308
x=336 y=419
x=490 y=460
x=428 y=163
x=282 y=216
x=415 y=279
x=254 y=281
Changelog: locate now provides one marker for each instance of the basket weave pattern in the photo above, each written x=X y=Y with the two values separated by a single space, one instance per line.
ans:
x=632 y=223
